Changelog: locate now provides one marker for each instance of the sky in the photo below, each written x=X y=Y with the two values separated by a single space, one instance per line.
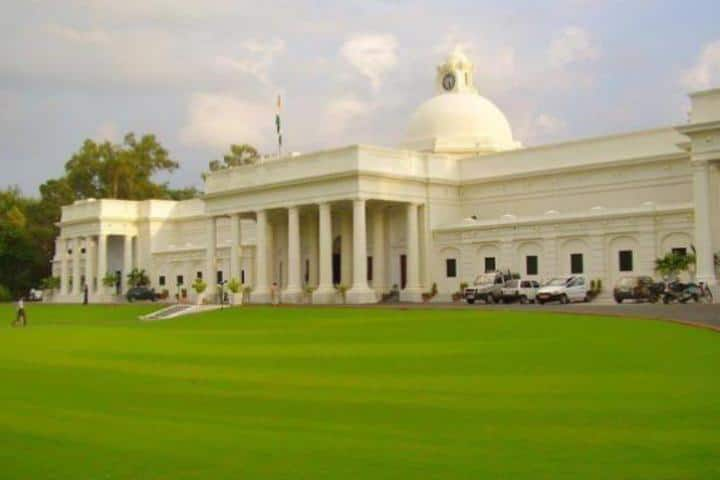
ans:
x=201 y=74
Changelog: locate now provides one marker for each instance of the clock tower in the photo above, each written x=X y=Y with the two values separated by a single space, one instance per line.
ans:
x=455 y=75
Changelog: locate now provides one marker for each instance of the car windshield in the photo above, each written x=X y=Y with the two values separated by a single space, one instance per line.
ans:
x=556 y=282
x=626 y=282
x=485 y=278
x=512 y=283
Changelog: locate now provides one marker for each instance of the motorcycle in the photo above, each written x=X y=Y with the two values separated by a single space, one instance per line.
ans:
x=678 y=292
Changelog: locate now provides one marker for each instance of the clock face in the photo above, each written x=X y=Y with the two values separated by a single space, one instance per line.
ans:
x=448 y=81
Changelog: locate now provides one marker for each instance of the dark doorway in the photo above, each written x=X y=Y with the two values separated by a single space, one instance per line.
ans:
x=337 y=273
x=403 y=271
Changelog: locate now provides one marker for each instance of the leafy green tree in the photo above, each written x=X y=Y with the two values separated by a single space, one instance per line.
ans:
x=242 y=154
x=138 y=278
x=674 y=263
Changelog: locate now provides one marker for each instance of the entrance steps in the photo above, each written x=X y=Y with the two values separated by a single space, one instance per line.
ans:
x=174 y=311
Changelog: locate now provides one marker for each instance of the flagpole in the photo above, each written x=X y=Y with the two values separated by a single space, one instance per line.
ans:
x=278 y=127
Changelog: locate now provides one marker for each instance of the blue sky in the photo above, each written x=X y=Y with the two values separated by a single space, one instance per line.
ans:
x=204 y=73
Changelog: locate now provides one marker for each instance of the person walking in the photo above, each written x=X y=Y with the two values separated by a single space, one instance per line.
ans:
x=274 y=294
x=21 y=318
x=86 y=292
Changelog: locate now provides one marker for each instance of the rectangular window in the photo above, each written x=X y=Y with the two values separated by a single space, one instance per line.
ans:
x=531 y=265
x=307 y=271
x=576 y=263
x=450 y=268
x=219 y=277
x=625 y=260
x=242 y=277
x=679 y=251
x=198 y=275
x=489 y=264
x=179 y=280
x=161 y=280
x=82 y=250
x=369 y=269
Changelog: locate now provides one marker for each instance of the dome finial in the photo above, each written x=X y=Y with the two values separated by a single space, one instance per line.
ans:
x=456 y=74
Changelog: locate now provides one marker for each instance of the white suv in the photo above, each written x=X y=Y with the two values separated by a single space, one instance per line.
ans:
x=564 y=289
x=520 y=290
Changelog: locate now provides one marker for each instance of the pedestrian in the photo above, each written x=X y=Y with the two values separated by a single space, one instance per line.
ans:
x=21 y=318
x=274 y=294
x=86 y=292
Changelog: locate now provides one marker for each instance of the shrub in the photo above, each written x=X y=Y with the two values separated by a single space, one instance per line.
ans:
x=199 y=285
x=109 y=280
x=50 y=283
x=234 y=285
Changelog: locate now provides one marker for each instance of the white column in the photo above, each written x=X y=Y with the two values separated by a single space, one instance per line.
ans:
x=261 y=290
x=412 y=291
x=424 y=234
x=101 y=261
x=378 y=261
x=210 y=275
x=293 y=291
x=127 y=262
x=76 y=266
x=360 y=292
x=64 y=290
x=89 y=263
x=345 y=250
x=325 y=292
x=705 y=266
x=235 y=247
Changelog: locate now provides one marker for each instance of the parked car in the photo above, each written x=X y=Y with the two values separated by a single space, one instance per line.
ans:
x=520 y=290
x=35 y=295
x=638 y=288
x=141 y=293
x=564 y=290
x=488 y=287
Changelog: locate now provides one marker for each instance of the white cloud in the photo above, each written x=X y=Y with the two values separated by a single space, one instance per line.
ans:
x=546 y=124
x=371 y=54
x=572 y=45
x=217 y=120
x=69 y=34
x=706 y=72
x=341 y=112
x=106 y=131
x=257 y=58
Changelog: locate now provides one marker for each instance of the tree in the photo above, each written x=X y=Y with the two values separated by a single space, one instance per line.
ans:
x=673 y=263
x=138 y=278
x=242 y=154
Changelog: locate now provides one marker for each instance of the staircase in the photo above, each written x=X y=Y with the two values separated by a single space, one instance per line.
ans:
x=174 y=311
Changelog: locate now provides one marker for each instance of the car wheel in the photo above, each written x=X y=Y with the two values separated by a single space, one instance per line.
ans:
x=586 y=299
x=470 y=301
x=523 y=299
x=653 y=299
x=540 y=302
x=618 y=300
x=564 y=300
x=666 y=300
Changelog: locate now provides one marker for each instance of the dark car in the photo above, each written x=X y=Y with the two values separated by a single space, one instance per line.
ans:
x=140 y=293
x=638 y=288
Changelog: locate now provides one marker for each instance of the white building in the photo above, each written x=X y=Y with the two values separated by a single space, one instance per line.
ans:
x=460 y=197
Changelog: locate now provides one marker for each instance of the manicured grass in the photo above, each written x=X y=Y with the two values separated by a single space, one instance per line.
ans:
x=343 y=393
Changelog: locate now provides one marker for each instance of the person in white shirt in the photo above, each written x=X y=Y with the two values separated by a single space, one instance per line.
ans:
x=21 y=318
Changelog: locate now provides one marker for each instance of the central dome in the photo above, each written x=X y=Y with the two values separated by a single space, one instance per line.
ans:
x=458 y=120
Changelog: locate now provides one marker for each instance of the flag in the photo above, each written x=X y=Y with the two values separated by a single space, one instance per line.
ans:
x=277 y=121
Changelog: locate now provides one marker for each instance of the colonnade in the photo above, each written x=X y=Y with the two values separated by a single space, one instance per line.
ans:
x=96 y=263
x=354 y=253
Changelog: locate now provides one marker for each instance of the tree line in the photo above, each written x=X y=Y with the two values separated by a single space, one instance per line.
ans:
x=124 y=170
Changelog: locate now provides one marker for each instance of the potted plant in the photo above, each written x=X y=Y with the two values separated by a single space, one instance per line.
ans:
x=457 y=296
x=138 y=278
x=235 y=288
x=427 y=296
x=672 y=264
x=199 y=286
x=109 y=282
x=342 y=291
x=49 y=286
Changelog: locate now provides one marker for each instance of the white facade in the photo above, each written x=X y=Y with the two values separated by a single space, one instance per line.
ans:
x=460 y=197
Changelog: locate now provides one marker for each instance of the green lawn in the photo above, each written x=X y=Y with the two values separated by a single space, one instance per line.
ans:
x=92 y=393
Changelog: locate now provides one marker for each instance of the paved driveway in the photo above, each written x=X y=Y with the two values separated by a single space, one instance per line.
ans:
x=691 y=313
